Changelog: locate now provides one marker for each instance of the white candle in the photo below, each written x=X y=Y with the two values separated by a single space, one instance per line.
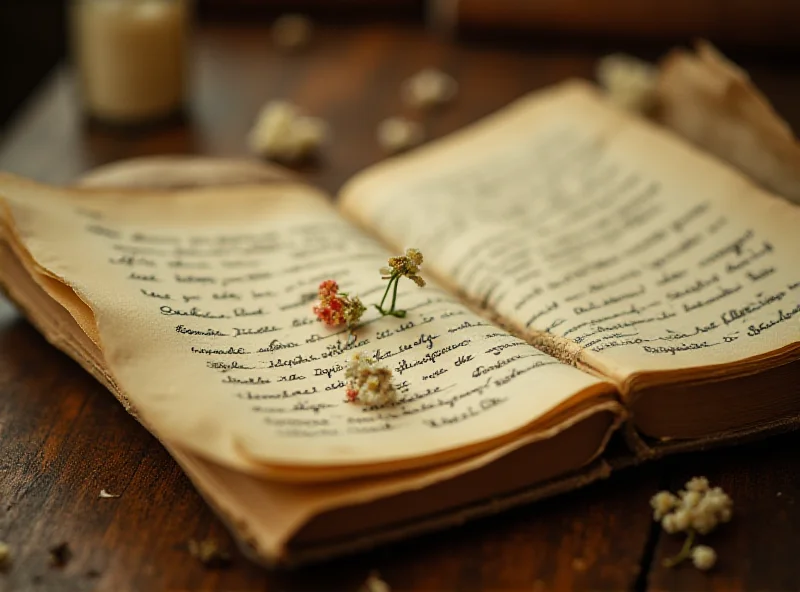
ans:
x=131 y=57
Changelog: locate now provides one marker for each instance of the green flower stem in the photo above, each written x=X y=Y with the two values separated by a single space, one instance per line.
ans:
x=394 y=294
x=684 y=553
x=386 y=293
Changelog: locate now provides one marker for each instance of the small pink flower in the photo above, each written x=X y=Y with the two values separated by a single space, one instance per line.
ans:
x=328 y=289
x=336 y=309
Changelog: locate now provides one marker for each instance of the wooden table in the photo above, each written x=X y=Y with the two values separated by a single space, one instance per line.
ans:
x=64 y=438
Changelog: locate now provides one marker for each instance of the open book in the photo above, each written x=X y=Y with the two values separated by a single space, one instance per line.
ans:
x=589 y=273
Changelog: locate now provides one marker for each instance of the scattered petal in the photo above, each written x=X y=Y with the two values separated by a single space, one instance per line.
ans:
x=428 y=88
x=704 y=557
x=209 y=553
x=396 y=134
x=282 y=133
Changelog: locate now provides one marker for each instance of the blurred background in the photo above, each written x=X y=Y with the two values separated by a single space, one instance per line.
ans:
x=33 y=33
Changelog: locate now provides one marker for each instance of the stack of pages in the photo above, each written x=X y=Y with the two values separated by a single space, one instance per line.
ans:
x=589 y=274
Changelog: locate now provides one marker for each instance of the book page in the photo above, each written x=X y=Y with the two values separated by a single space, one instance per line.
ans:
x=604 y=237
x=203 y=306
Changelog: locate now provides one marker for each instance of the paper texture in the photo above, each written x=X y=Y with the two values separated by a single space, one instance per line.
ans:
x=202 y=302
x=266 y=515
x=606 y=239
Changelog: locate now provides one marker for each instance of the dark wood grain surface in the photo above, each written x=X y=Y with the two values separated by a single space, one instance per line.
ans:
x=63 y=438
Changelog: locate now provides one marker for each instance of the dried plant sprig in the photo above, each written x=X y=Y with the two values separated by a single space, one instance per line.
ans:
x=698 y=509
x=338 y=308
x=369 y=382
x=402 y=266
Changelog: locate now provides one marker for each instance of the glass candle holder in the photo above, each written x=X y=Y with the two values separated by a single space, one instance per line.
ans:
x=131 y=58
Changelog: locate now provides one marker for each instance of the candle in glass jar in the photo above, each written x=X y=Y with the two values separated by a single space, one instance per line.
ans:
x=131 y=57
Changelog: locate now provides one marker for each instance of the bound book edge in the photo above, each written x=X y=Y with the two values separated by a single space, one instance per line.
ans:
x=644 y=450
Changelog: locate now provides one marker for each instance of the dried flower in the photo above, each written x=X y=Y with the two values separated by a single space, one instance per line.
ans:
x=429 y=87
x=291 y=32
x=397 y=134
x=337 y=308
x=697 y=484
x=368 y=381
x=209 y=553
x=282 y=133
x=402 y=266
x=698 y=509
x=704 y=557
x=662 y=504
x=629 y=82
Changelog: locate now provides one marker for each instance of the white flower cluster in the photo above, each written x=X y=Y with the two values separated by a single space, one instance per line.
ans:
x=699 y=508
x=396 y=134
x=629 y=82
x=369 y=382
x=291 y=32
x=428 y=88
x=282 y=133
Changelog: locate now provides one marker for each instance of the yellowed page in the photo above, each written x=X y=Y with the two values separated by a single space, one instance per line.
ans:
x=603 y=236
x=267 y=514
x=204 y=319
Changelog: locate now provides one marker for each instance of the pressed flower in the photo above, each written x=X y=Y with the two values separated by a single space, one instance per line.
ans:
x=368 y=381
x=698 y=509
x=337 y=308
x=401 y=266
x=354 y=309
